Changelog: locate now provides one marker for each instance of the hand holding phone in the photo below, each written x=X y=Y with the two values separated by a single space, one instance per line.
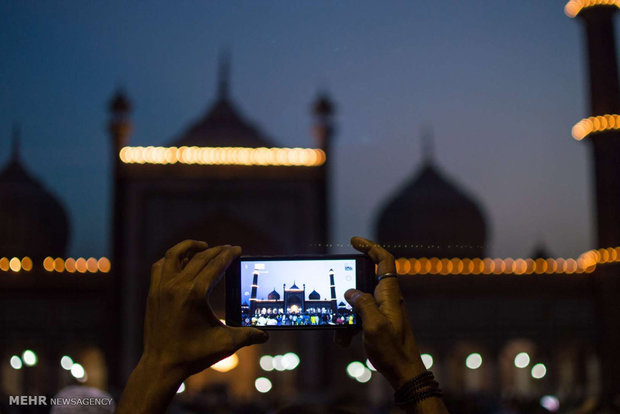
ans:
x=387 y=334
x=180 y=326
x=182 y=335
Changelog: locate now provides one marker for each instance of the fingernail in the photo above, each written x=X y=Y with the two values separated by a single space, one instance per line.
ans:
x=349 y=294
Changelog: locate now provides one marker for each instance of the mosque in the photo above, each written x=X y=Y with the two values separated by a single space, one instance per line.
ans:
x=225 y=179
x=294 y=301
x=51 y=305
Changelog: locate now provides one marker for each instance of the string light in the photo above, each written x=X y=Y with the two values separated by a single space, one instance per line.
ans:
x=26 y=264
x=585 y=263
x=594 y=124
x=48 y=264
x=282 y=157
x=58 y=264
x=104 y=265
x=15 y=264
x=70 y=265
x=574 y=7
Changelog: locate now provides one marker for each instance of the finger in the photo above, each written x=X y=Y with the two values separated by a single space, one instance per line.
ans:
x=387 y=293
x=343 y=337
x=364 y=304
x=172 y=263
x=247 y=336
x=200 y=260
x=156 y=273
x=214 y=270
x=378 y=254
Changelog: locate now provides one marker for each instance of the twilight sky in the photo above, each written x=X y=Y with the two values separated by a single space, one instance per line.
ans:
x=501 y=83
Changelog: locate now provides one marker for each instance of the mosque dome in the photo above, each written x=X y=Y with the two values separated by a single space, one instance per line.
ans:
x=273 y=295
x=223 y=125
x=33 y=222
x=314 y=295
x=432 y=217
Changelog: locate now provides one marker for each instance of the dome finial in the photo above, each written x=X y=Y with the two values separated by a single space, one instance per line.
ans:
x=428 y=144
x=323 y=106
x=119 y=105
x=17 y=137
x=223 y=81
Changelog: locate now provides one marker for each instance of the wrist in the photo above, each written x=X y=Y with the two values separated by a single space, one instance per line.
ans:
x=405 y=373
x=161 y=367
x=150 y=388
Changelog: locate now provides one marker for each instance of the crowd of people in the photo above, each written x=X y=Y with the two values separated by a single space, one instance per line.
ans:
x=311 y=317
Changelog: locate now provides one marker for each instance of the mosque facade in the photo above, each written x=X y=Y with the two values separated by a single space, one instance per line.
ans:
x=293 y=301
x=222 y=180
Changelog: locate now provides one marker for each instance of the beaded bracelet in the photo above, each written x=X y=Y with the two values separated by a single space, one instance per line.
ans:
x=417 y=389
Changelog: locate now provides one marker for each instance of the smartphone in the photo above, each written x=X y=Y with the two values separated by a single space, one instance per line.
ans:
x=296 y=292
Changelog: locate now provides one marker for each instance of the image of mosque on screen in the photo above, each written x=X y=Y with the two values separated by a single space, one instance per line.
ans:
x=315 y=295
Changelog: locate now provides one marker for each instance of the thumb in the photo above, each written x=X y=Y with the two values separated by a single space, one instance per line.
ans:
x=248 y=336
x=363 y=303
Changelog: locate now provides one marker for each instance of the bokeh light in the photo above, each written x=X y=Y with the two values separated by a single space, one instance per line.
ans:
x=290 y=361
x=78 y=371
x=59 y=264
x=539 y=371
x=70 y=265
x=4 y=264
x=550 y=403
x=80 y=265
x=48 y=264
x=355 y=369
x=522 y=360
x=226 y=364
x=473 y=361
x=104 y=265
x=278 y=363
x=66 y=362
x=29 y=358
x=15 y=264
x=364 y=376
x=427 y=360
x=266 y=362
x=262 y=384
x=283 y=157
x=16 y=362
x=27 y=264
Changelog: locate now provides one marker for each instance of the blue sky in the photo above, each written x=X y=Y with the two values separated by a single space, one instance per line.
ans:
x=501 y=84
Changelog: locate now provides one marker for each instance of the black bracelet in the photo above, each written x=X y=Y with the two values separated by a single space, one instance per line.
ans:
x=423 y=380
x=417 y=389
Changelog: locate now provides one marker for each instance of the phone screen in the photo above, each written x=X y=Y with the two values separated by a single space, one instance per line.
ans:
x=292 y=293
